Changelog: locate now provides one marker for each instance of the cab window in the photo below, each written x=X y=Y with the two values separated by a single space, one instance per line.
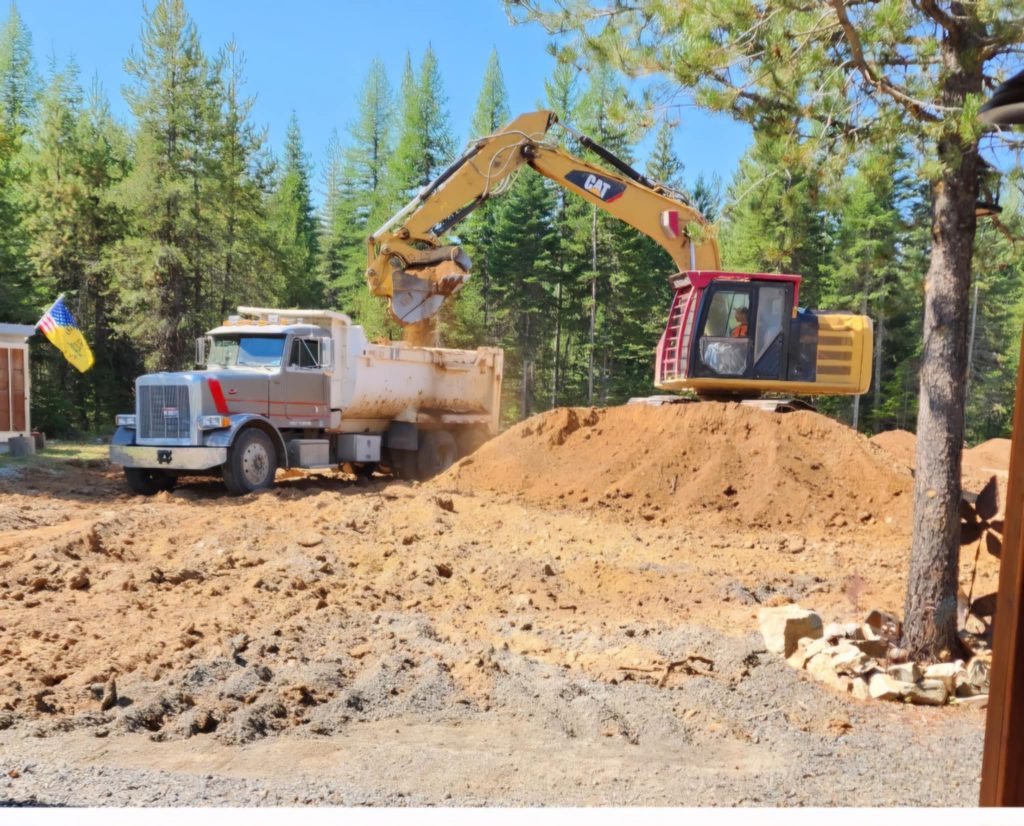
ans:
x=728 y=315
x=305 y=353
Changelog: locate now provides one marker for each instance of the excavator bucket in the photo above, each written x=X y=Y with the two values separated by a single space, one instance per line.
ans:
x=419 y=291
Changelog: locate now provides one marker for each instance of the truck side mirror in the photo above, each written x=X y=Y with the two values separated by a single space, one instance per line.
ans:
x=327 y=354
x=201 y=351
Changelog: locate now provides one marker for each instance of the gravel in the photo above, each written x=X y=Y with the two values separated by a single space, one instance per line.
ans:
x=749 y=731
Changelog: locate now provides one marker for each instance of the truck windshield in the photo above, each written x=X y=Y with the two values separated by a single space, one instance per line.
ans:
x=246 y=351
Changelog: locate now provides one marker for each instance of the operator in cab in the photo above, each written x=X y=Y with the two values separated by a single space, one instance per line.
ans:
x=740 y=330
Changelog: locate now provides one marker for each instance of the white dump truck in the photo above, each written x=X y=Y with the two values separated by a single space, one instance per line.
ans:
x=305 y=389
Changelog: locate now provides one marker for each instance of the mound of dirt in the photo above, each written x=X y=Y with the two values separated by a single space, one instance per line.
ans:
x=991 y=455
x=701 y=463
x=900 y=443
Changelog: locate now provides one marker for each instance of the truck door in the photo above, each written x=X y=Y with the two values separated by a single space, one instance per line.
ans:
x=305 y=385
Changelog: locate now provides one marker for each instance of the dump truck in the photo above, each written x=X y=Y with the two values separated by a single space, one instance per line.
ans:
x=283 y=388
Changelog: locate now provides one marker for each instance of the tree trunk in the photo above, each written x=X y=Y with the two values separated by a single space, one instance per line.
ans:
x=930 y=628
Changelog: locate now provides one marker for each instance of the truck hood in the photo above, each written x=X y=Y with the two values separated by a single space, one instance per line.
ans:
x=226 y=391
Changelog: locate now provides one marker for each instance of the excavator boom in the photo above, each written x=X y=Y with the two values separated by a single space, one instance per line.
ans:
x=408 y=264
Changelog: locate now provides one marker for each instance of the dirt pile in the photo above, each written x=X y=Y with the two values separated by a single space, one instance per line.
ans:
x=900 y=443
x=723 y=464
x=992 y=455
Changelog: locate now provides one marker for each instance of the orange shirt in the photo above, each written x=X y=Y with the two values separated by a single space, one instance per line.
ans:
x=740 y=330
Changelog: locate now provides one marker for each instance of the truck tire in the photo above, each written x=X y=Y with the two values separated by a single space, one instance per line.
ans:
x=437 y=453
x=251 y=464
x=471 y=439
x=147 y=482
x=403 y=463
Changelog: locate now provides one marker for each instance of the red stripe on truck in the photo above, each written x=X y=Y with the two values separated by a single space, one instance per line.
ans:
x=218 y=397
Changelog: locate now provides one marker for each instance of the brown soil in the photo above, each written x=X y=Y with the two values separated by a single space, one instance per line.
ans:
x=707 y=464
x=991 y=455
x=900 y=443
x=575 y=546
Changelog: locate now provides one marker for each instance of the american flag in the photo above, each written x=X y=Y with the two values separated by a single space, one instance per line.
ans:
x=57 y=316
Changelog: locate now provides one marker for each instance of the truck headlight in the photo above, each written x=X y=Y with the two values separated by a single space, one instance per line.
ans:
x=214 y=422
x=125 y=420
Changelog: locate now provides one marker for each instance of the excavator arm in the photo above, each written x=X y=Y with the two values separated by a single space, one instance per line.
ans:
x=408 y=264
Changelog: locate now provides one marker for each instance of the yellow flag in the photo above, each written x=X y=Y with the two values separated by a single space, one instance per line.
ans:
x=59 y=326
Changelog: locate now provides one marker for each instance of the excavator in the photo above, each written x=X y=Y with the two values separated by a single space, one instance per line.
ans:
x=728 y=335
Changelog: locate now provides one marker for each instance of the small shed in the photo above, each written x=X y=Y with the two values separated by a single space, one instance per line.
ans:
x=14 y=381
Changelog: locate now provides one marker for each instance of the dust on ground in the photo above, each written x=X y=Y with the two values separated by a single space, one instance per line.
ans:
x=515 y=632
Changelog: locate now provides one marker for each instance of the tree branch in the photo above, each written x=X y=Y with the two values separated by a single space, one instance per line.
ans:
x=871 y=74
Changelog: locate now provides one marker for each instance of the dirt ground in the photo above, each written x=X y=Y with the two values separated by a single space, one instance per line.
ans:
x=515 y=632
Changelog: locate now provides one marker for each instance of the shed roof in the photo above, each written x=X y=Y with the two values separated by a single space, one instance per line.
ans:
x=22 y=331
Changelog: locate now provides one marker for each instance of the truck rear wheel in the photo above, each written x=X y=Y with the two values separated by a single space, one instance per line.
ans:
x=147 y=482
x=437 y=453
x=251 y=464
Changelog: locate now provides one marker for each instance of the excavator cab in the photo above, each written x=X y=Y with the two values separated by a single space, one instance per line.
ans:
x=742 y=334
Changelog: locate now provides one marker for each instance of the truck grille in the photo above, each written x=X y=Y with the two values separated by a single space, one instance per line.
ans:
x=164 y=411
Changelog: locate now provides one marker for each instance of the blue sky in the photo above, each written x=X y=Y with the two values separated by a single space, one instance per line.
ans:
x=312 y=56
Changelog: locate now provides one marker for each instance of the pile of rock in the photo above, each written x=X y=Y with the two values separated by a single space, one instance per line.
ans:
x=863 y=659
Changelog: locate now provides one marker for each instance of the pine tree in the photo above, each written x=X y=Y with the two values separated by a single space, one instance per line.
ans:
x=664 y=166
x=356 y=202
x=425 y=145
x=522 y=254
x=161 y=267
x=294 y=227
x=19 y=87
x=78 y=154
x=472 y=309
x=242 y=268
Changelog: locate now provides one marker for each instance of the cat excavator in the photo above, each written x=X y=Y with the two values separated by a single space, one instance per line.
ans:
x=729 y=334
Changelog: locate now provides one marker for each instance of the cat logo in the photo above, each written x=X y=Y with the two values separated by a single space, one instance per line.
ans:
x=606 y=189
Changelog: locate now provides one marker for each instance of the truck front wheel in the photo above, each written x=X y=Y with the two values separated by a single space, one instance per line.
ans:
x=147 y=482
x=251 y=464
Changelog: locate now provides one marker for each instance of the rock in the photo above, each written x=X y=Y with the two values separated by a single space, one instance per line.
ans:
x=109 y=695
x=78 y=582
x=834 y=631
x=849 y=661
x=883 y=624
x=21 y=446
x=445 y=503
x=975 y=643
x=805 y=649
x=859 y=688
x=879 y=649
x=521 y=601
x=978 y=674
x=548 y=570
x=309 y=539
x=820 y=667
x=883 y=687
x=783 y=627
x=444 y=570
x=360 y=651
x=904 y=672
x=951 y=674
x=928 y=693
x=978 y=701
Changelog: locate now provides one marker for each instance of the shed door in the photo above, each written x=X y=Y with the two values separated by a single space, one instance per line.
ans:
x=18 y=389
x=5 y=389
